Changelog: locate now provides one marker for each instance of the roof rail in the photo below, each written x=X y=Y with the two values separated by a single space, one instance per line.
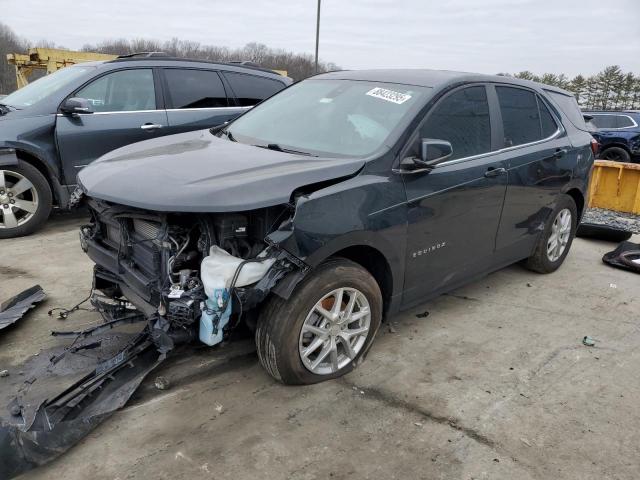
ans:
x=144 y=55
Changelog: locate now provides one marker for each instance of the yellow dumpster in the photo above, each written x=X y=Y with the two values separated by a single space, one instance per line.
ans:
x=615 y=186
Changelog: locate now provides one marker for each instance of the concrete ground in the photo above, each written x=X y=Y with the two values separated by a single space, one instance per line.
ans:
x=493 y=383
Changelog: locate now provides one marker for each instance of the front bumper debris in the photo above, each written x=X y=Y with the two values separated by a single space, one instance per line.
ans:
x=62 y=393
x=13 y=309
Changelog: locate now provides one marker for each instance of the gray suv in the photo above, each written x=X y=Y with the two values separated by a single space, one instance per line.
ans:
x=57 y=125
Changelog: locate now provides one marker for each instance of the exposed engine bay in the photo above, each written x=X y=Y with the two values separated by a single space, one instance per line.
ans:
x=196 y=276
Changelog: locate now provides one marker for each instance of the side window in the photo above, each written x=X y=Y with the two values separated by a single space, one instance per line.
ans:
x=251 y=89
x=520 y=117
x=605 y=121
x=461 y=118
x=195 y=88
x=547 y=122
x=624 y=121
x=121 y=91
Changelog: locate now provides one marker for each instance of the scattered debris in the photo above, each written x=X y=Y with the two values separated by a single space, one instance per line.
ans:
x=603 y=232
x=626 y=256
x=529 y=284
x=4 y=373
x=13 y=309
x=417 y=424
x=219 y=408
x=588 y=341
x=424 y=314
x=69 y=390
x=162 y=383
x=525 y=441
x=496 y=460
x=392 y=329
x=613 y=285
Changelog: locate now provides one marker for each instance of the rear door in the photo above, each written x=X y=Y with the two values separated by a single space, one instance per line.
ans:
x=454 y=209
x=539 y=158
x=196 y=99
x=127 y=108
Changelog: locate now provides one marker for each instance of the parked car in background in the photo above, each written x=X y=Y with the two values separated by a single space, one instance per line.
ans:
x=57 y=125
x=346 y=197
x=618 y=134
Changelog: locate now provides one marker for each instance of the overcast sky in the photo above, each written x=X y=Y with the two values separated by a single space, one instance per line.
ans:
x=488 y=36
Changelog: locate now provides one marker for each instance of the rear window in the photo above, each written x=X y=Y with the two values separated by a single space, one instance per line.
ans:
x=251 y=89
x=195 y=88
x=624 y=121
x=569 y=106
x=525 y=118
x=605 y=121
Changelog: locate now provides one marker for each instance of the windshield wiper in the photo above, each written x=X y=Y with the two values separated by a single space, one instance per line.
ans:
x=278 y=148
x=4 y=108
x=228 y=134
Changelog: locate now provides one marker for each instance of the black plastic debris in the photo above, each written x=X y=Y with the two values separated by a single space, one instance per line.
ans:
x=626 y=256
x=587 y=341
x=65 y=392
x=14 y=309
x=603 y=232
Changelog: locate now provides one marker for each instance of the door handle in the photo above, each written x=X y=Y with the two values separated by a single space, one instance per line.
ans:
x=150 y=126
x=495 y=172
x=560 y=152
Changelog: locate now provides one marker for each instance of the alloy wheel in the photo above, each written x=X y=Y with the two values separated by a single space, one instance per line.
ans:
x=18 y=199
x=560 y=233
x=334 y=331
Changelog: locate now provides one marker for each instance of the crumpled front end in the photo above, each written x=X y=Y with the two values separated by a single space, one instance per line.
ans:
x=200 y=275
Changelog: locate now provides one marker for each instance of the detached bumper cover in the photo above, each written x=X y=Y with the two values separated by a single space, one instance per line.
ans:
x=67 y=391
x=13 y=309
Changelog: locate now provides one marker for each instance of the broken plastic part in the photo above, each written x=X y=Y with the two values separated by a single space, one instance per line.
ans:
x=67 y=391
x=13 y=309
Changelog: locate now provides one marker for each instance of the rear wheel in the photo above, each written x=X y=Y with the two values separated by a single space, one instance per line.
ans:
x=25 y=200
x=555 y=241
x=324 y=328
x=615 y=154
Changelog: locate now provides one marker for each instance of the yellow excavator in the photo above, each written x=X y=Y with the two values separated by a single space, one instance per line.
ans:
x=49 y=60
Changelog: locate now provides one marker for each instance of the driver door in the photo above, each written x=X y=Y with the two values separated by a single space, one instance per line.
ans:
x=454 y=209
x=125 y=105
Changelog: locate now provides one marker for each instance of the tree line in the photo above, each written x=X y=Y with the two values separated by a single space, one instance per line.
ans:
x=610 y=89
x=297 y=65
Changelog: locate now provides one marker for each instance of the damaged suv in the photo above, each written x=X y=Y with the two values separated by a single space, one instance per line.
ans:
x=344 y=198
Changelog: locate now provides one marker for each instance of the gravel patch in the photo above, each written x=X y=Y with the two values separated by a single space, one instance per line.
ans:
x=601 y=216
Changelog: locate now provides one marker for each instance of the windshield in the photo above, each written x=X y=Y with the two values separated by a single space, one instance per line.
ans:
x=329 y=117
x=43 y=87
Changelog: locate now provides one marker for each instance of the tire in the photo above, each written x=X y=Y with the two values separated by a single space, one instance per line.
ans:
x=541 y=260
x=616 y=154
x=280 y=339
x=27 y=209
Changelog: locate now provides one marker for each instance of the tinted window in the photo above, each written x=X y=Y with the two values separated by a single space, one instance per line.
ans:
x=120 y=91
x=605 y=121
x=520 y=117
x=624 y=121
x=251 y=89
x=195 y=89
x=549 y=126
x=462 y=119
x=569 y=106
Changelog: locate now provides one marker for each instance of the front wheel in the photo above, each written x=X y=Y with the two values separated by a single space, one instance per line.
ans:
x=324 y=328
x=25 y=200
x=555 y=241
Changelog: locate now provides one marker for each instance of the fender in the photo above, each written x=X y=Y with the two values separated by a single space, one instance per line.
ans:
x=8 y=157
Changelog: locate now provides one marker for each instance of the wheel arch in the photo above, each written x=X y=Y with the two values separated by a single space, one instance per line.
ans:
x=59 y=194
x=617 y=144
x=578 y=198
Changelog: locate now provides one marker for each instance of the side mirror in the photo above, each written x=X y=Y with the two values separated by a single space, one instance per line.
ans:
x=434 y=151
x=76 y=105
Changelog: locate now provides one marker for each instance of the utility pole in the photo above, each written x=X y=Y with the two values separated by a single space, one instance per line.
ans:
x=317 y=35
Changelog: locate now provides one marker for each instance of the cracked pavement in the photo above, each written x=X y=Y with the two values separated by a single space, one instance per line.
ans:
x=493 y=383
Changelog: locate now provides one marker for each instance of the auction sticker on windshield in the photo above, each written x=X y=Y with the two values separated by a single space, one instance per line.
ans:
x=389 y=95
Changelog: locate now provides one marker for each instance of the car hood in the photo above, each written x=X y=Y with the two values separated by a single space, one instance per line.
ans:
x=199 y=172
